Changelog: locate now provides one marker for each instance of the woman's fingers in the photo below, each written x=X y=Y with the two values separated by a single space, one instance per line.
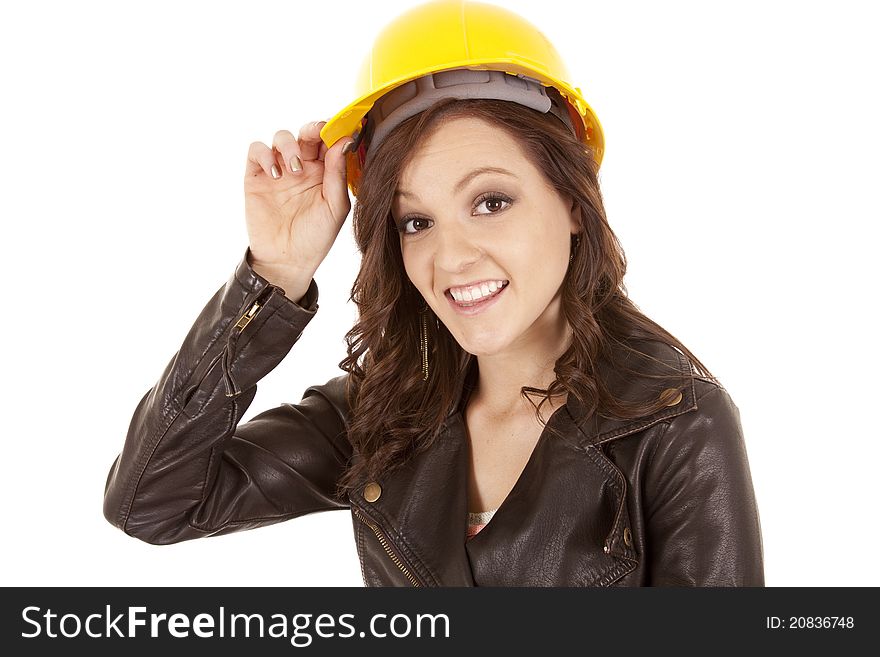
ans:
x=261 y=159
x=285 y=143
x=287 y=154
x=335 y=181
x=310 y=140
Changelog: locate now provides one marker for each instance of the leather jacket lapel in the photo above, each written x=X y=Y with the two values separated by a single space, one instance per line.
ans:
x=546 y=533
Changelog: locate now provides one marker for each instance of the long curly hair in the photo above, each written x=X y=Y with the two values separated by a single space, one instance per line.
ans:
x=394 y=412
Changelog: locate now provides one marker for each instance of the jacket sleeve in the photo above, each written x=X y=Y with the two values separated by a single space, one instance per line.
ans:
x=701 y=513
x=187 y=469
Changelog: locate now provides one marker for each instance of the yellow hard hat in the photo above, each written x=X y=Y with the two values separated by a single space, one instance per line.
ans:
x=442 y=35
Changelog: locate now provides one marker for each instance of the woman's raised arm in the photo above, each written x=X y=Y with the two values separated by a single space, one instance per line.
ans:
x=187 y=469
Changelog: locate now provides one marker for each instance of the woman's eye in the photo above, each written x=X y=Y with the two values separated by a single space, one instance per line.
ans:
x=493 y=202
x=407 y=223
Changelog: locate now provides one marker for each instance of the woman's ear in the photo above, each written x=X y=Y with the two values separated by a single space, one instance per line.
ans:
x=575 y=222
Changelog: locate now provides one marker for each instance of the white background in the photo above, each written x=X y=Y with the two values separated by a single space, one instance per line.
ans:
x=740 y=175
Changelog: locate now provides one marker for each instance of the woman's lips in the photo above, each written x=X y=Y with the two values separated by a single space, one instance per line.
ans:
x=479 y=306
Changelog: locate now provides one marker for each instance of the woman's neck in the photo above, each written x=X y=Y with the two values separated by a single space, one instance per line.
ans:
x=502 y=376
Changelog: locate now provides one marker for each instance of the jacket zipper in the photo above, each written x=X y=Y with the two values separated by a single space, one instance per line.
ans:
x=245 y=319
x=385 y=544
x=232 y=389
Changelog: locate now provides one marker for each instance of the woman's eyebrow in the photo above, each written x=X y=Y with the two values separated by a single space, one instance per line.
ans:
x=464 y=181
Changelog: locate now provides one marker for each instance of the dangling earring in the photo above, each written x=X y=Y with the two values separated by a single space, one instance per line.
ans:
x=424 y=340
x=575 y=243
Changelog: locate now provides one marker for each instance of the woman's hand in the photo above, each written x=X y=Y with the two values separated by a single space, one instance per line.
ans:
x=296 y=200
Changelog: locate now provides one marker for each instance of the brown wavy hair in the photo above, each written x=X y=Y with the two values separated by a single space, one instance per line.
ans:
x=399 y=414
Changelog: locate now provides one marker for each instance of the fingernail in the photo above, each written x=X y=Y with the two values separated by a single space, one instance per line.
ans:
x=295 y=164
x=347 y=148
x=276 y=172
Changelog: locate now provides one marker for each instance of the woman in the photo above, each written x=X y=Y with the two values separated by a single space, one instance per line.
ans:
x=489 y=276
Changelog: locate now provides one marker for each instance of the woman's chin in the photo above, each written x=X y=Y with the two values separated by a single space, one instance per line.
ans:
x=483 y=346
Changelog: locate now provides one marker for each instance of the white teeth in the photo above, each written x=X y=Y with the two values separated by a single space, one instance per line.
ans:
x=476 y=293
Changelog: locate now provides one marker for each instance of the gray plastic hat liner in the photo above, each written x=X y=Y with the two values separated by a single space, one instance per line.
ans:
x=417 y=95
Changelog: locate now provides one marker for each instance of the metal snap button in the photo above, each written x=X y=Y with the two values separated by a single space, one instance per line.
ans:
x=627 y=537
x=372 y=491
x=670 y=391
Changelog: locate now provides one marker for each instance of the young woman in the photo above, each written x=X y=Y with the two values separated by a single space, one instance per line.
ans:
x=490 y=279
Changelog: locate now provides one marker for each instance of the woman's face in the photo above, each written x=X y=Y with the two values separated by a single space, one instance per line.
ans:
x=460 y=226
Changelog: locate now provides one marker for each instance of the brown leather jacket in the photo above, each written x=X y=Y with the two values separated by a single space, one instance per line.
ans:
x=663 y=500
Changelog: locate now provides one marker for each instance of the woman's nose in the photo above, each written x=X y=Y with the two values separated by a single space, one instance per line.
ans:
x=455 y=251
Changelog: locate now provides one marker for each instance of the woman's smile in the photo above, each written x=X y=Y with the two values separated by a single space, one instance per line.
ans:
x=468 y=308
